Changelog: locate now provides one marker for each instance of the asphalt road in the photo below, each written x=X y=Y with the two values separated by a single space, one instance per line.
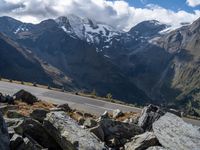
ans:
x=85 y=104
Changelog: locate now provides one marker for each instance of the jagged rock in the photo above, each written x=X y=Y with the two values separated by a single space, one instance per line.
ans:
x=16 y=141
x=142 y=141
x=4 y=136
x=25 y=97
x=156 y=148
x=121 y=131
x=105 y=115
x=39 y=114
x=14 y=114
x=64 y=107
x=148 y=116
x=34 y=129
x=29 y=145
x=98 y=131
x=69 y=134
x=89 y=123
x=117 y=113
x=173 y=133
x=124 y=130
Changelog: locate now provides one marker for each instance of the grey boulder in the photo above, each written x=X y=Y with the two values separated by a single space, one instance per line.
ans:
x=69 y=134
x=175 y=134
x=142 y=141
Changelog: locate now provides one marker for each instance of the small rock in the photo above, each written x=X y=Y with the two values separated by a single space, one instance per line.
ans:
x=16 y=141
x=25 y=97
x=89 y=123
x=39 y=114
x=117 y=113
x=142 y=141
x=64 y=107
x=126 y=121
x=148 y=116
x=173 y=133
x=105 y=115
x=14 y=114
x=98 y=131
x=4 y=136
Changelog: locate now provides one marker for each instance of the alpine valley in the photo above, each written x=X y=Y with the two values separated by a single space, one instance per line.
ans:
x=148 y=64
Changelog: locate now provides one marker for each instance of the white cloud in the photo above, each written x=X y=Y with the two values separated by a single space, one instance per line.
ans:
x=117 y=13
x=193 y=3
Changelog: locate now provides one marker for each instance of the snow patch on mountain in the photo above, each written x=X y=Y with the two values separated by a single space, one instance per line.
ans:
x=21 y=29
x=87 y=29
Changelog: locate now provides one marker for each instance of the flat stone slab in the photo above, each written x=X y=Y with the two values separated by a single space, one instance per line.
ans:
x=175 y=134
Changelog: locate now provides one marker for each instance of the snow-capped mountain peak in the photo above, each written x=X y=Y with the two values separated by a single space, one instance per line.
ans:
x=87 y=29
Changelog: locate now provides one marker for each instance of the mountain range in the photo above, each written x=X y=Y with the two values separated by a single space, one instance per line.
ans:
x=148 y=64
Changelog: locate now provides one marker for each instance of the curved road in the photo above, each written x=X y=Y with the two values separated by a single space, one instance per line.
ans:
x=85 y=104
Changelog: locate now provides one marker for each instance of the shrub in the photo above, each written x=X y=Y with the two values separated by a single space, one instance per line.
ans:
x=109 y=96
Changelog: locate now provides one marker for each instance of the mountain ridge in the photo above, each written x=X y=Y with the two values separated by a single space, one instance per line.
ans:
x=150 y=64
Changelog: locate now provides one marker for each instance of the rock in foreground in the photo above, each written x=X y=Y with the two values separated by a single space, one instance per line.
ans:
x=142 y=141
x=148 y=116
x=174 y=134
x=69 y=134
x=25 y=97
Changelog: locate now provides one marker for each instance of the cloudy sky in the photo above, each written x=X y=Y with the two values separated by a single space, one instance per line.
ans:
x=122 y=14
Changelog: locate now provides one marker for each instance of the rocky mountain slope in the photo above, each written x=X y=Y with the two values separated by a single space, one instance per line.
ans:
x=140 y=66
x=18 y=63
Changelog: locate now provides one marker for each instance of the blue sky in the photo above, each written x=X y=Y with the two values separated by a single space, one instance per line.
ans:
x=174 y=5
